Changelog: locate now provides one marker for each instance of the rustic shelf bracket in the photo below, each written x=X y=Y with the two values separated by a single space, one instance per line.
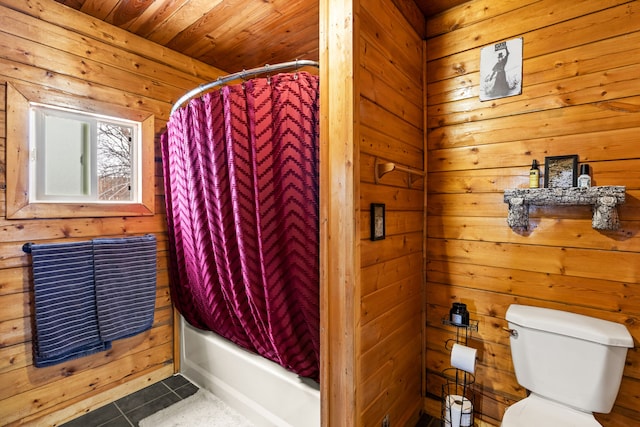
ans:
x=383 y=168
x=605 y=201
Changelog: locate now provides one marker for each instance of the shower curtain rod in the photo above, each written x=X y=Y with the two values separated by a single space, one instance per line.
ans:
x=241 y=75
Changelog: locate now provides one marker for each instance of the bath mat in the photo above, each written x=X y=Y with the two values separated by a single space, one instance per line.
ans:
x=201 y=409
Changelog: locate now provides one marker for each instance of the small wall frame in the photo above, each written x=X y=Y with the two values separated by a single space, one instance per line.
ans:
x=561 y=171
x=378 y=221
x=501 y=69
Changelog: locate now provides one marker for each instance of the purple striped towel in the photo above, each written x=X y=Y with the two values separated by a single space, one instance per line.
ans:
x=125 y=283
x=66 y=322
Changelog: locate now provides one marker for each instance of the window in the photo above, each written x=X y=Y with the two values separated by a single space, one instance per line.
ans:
x=62 y=162
x=80 y=157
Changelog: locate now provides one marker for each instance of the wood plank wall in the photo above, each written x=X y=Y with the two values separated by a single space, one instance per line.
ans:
x=58 y=49
x=390 y=107
x=339 y=248
x=580 y=96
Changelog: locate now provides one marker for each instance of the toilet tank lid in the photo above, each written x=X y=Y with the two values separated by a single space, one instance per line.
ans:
x=570 y=324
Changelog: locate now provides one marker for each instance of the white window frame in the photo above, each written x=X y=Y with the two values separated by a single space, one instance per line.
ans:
x=38 y=155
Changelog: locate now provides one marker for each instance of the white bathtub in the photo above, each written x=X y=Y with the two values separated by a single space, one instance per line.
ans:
x=264 y=392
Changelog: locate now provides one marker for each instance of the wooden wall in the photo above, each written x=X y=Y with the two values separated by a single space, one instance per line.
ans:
x=580 y=96
x=338 y=243
x=372 y=107
x=390 y=107
x=52 y=48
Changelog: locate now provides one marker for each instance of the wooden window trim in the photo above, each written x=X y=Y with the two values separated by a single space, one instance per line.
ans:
x=17 y=163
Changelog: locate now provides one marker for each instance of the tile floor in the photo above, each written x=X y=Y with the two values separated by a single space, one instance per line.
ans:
x=428 y=421
x=129 y=410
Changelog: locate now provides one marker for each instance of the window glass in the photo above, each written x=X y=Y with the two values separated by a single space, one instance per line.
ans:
x=79 y=157
x=115 y=154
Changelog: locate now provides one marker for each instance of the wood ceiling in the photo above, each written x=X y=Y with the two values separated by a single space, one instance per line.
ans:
x=229 y=34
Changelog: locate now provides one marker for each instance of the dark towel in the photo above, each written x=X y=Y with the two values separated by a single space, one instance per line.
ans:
x=66 y=323
x=125 y=283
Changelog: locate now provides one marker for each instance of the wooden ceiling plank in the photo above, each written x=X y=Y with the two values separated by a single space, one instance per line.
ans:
x=219 y=24
x=299 y=41
x=127 y=11
x=74 y=4
x=236 y=34
x=297 y=28
x=153 y=16
x=99 y=8
x=182 y=19
x=434 y=7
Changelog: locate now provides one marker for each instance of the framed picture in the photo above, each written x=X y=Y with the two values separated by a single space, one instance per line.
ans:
x=501 y=70
x=377 y=221
x=561 y=171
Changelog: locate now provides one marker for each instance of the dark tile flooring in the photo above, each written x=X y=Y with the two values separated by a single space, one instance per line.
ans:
x=129 y=410
x=428 y=421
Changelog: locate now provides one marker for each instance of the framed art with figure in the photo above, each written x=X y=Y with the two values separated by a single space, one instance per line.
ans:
x=501 y=70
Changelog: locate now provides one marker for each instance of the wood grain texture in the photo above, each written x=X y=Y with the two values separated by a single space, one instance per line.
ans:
x=339 y=246
x=391 y=110
x=228 y=34
x=235 y=34
x=56 y=50
x=580 y=75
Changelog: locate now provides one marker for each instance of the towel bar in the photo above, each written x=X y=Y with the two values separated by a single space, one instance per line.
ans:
x=26 y=248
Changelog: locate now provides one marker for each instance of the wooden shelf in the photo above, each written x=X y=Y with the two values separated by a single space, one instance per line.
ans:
x=605 y=201
x=472 y=326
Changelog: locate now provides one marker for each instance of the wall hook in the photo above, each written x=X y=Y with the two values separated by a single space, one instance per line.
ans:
x=383 y=168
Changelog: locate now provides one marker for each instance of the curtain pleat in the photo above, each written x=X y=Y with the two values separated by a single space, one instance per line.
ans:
x=241 y=179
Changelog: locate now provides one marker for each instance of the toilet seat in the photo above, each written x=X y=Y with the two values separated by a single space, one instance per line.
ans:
x=536 y=411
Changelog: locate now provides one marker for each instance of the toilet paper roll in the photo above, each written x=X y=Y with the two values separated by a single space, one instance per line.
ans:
x=458 y=411
x=463 y=357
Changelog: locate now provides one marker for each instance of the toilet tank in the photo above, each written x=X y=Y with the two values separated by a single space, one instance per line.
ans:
x=569 y=358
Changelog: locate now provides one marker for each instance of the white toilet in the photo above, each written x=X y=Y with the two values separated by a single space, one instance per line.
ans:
x=572 y=365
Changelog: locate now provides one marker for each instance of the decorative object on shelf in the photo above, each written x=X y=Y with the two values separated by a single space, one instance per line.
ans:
x=561 y=171
x=584 y=180
x=378 y=221
x=604 y=200
x=501 y=70
x=459 y=315
x=534 y=175
x=382 y=168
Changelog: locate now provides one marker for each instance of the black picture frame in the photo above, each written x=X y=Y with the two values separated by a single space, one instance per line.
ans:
x=561 y=171
x=378 y=221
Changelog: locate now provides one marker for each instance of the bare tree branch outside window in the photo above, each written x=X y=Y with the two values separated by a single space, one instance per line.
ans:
x=115 y=150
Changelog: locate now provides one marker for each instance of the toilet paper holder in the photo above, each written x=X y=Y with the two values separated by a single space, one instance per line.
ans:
x=458 y=399
x=458 y=395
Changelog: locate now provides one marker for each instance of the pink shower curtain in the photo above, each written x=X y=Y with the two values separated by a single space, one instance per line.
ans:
x=241 y=184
